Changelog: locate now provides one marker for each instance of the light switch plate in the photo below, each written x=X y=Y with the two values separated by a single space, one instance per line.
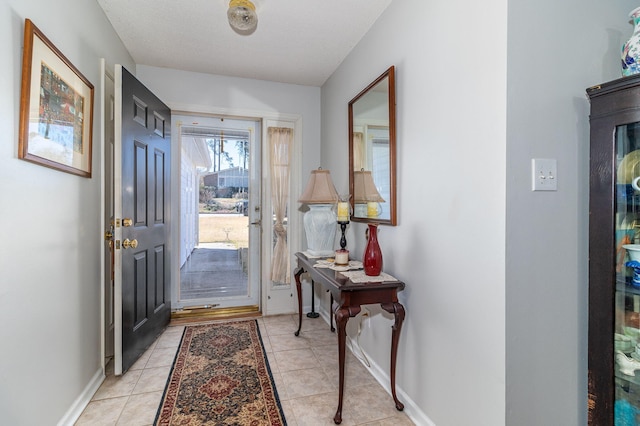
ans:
x=544 y=174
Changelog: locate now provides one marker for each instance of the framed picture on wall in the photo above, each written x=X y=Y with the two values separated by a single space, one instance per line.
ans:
x=56 y=108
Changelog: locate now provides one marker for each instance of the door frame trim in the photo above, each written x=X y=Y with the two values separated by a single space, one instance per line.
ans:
x=103 y=222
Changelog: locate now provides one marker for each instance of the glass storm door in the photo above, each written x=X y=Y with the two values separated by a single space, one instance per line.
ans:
x=220 y=213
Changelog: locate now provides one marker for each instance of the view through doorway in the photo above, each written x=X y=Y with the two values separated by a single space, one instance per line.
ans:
x=220 y=213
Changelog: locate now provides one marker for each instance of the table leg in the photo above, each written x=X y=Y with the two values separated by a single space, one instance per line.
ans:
x=342 y=316
x=297 y=274
x=398 y=312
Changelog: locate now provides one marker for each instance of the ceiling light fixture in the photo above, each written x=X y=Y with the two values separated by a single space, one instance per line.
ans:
x=242 y=16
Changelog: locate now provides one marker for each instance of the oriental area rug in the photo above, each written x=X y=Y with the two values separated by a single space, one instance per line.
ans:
x=221 y=376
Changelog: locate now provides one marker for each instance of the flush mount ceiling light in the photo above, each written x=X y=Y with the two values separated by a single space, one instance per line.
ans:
x=242 y=16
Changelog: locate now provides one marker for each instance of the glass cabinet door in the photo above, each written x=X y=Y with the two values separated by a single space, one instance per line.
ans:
x=627 y=271
x=614 y=264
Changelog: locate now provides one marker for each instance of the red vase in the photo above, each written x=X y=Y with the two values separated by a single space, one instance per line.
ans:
x=372 y=258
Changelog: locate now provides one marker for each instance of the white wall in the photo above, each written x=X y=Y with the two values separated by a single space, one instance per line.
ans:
x=51 y=230
x=449 y=243
x=205 y=93
x=213 y=93
x=496 y=275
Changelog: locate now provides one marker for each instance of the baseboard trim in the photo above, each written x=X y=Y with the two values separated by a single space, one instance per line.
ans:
x=81 y=402
x=412 y=411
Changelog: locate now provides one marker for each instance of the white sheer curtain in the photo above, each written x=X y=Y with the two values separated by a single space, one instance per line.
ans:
x=280 y=140
x=358 y=151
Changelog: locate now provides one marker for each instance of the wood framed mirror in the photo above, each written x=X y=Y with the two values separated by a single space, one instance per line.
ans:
x=372 y=152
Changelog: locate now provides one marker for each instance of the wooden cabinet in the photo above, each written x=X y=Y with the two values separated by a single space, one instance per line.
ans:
x=614 y=228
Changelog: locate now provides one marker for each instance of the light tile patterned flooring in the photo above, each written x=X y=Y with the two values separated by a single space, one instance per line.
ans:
x=305 y=370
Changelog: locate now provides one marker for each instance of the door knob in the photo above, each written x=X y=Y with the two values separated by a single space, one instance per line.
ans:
x=130 y=243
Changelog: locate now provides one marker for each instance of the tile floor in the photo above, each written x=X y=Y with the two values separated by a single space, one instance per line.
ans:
x=304 y=369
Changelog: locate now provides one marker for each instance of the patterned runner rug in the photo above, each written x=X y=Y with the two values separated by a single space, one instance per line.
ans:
x=221 y=376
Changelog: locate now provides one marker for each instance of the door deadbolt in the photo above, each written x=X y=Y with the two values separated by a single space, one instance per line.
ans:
x=130 y=243
x=127 y=222
x=108 y=235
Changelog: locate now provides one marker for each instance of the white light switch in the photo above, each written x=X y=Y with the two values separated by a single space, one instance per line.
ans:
x=544 y=174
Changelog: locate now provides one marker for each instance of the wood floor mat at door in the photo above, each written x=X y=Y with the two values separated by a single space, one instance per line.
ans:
x=190 y=316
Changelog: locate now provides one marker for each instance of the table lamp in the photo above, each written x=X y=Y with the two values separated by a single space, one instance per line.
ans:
x=320 y=221
x=365 y=195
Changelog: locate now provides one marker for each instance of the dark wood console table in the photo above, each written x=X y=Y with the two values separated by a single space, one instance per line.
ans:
x=350 y=296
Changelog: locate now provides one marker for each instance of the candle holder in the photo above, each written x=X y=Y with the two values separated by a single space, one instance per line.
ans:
x=343 y=239
x=344 y=213
x=342 y=255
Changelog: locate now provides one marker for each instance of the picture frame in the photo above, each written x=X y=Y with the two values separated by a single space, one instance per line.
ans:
x=56 y=108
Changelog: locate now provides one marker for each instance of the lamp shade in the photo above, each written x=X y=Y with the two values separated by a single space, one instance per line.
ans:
x=364 y=189
x=320 y=189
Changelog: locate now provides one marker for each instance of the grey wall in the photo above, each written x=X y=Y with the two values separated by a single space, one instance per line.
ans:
x=51 y=230
x=555 y=51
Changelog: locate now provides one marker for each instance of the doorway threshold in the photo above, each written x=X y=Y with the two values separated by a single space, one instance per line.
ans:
x=197 y=314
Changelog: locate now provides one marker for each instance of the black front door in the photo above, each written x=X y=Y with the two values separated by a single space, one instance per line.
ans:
x=145 y=193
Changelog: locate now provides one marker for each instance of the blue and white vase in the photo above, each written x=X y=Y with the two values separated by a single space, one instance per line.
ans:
x=635 y=281
x=631 y=49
